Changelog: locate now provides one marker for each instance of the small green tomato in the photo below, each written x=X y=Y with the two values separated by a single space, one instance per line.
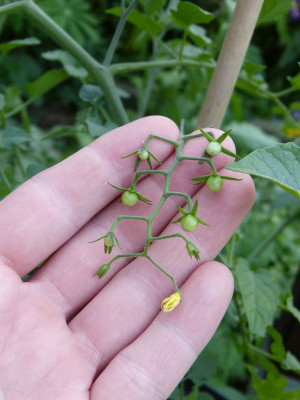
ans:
x=214 y=183
x=213 y=148
x=144 y=155
x=189 y=223
x=129 y=198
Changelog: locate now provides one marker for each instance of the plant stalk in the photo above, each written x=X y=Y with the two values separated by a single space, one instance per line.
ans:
x=229 y=63
x=101 y=75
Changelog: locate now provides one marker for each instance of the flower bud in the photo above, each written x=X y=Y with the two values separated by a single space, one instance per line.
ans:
x=102 y=270
x=171 y=302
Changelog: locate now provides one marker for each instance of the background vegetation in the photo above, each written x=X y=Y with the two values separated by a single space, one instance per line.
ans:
x=50 y=106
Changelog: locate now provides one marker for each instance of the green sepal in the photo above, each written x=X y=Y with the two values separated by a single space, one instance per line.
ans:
x=153 y=156
x=137 y=163
x=209 y=136
x=195 y=208
x=149 y=162
x=102 y=270
x=229 y=153
x=142 y=198
x=177 y=220
x=107 y=249
x=192 y=250
x=184 y=212
x=229 y=178
x=97 y=240
x=223 y=136
x=201 y=221
x=202 y=179
x=131 y=154
x=117 y=187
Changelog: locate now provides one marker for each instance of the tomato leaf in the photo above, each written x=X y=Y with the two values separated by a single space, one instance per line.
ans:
x=46 y=82
x=188 y=14
x=272 y=9
x=259 y=294
x=279 y=164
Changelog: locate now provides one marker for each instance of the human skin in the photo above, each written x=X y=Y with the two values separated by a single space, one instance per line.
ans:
x=65 y=334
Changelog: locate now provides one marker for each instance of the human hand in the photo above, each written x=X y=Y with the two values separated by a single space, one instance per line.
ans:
x=64 y=333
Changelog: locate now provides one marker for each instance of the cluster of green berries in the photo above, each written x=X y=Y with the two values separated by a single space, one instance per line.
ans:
x=188 y=219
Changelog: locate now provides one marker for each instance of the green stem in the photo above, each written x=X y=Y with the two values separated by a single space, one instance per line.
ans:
x=183 y=43
x=164 y=272
x=121 y=217
x=118 y=32
x=14 y=7
x=269 y=239
x=261 y=352
x=3 y=119
x=98 y=72
x=150 y=137
x=202 y=159
x=19 y=162
x=5 y=179
x=20 y=108
x=285 y=92
x=142 y=65
x=153 y=172
x=184 y=195
x=154 y=239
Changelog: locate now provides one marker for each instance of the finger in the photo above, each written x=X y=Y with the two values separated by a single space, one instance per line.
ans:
x=152 y=366
x=47 y=210
x=129 y=302
x=67 y=277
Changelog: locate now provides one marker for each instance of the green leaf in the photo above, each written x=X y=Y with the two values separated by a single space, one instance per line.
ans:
x=90 y=93
x=2 y=101
x=12 y=136
x=251 y=136
x=291 y=308
x=188 y=14
x=198 y=35
x=46 y=82
x=277 y=346
x=136 y=18
x=69 y=63
x=272 y=388
x=295 y=81
x=34 y=169
x=13 y=44
x=279 y=164
x=259 y=295
x=151 y=6
x=273 y=9
x=291 y=363
x=96 y=128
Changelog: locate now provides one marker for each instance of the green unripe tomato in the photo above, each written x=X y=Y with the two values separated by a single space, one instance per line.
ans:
x=129 y=198
x=214 y=183
x=108 y=241
x=213 y=148
x=189 y=223
x=144 y=155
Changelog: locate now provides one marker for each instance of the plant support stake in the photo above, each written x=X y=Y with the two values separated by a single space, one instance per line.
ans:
x=229 y=63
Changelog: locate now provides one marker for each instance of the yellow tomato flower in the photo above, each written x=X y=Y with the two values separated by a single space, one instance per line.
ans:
x=171 y=302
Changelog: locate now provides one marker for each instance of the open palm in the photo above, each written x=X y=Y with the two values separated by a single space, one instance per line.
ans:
x=65 y=334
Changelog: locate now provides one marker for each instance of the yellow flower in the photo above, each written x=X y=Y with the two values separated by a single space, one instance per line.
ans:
x=171 y=302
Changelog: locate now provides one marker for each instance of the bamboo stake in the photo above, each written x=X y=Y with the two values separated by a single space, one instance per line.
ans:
x=229 y=63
